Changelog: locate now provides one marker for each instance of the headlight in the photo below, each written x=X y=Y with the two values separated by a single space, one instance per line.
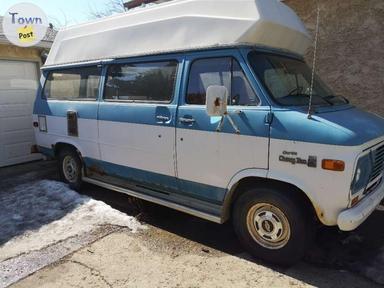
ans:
x=362 y=174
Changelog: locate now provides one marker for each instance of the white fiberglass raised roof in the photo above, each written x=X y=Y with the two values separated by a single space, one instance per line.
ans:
x=182 y=25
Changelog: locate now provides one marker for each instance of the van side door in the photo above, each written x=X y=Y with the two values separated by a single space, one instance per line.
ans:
x=207 y=159
x=137 y=124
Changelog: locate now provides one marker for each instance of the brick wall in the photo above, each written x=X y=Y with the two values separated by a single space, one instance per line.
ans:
x=351 y=47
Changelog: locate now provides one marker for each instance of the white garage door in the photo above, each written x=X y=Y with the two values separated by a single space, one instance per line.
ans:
x=18 y=85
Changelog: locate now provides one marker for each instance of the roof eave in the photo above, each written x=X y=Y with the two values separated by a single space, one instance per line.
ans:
x=42 y=44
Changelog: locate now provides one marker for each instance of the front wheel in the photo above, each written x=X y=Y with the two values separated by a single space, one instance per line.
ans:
x=272 y=225
x=70 y=168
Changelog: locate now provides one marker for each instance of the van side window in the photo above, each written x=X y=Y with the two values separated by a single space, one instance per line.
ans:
x=143 y=82
x=73 y=84
x=207 y=72
x=219 y=71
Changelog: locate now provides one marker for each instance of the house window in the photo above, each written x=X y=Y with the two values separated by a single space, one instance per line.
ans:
x=141 y=82
x=220 y=71
x=73 y=84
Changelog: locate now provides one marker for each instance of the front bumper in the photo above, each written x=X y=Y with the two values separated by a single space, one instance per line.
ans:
x=351 y=218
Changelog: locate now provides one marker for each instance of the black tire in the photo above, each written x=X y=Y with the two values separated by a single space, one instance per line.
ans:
x=294 y=247
x=65 y=155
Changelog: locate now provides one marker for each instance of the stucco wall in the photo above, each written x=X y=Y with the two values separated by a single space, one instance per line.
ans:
x=10 y=52
x=351 y=47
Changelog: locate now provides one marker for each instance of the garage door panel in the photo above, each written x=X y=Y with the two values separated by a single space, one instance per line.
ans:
x=17 y=123
x=18 y=85
x=18 y=70
x=12 y=70
x=19 y=160
x=21 y=136
x=17 y=150
x=19 y=110
x=17 y=96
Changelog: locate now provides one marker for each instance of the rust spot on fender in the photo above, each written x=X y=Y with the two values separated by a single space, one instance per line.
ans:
x=94 y=169
x=319 y=212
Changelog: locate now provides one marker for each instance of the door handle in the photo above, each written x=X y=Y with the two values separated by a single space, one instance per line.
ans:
x=162 y=118
x=187 y=120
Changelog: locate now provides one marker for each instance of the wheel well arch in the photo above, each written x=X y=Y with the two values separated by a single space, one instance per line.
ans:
x=62 y=145
x=254 y=181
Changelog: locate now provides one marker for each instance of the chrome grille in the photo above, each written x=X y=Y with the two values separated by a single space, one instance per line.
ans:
x=378 y=163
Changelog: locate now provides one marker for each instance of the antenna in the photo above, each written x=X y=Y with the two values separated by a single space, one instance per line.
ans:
x=314 y=62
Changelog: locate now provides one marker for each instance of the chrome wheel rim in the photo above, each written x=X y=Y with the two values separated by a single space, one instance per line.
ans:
x=268 y=226
x=70 y=169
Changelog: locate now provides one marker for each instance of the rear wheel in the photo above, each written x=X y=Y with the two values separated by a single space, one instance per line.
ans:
x=272 y=226
x=70 y=168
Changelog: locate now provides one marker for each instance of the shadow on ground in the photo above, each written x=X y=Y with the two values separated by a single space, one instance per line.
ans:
x=360 y=251
x=356 y=251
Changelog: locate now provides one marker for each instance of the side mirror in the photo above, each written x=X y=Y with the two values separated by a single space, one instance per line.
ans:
x=216 y=100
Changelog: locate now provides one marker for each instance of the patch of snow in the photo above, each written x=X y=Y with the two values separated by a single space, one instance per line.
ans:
x=35 y=215
x=352 y=238
x=380 y=208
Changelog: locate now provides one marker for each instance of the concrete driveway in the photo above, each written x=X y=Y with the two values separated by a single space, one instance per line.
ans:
x=106 y=239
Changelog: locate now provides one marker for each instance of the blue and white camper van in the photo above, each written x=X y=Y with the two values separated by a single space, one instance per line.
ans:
x=204 y=108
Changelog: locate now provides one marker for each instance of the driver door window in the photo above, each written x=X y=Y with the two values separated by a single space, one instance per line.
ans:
x=223 y=72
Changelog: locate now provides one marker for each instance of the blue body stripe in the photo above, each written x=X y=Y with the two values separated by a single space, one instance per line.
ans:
x=85 y=109
x=46 y=151
x=137 y=113
x=251 y=122
x=165 y=183
x=348 y=127
x=332 y=125
x=203 y=192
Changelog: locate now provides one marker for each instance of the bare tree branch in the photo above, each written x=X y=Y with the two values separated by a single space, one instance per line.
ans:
x=60 y=22
x=113 y=7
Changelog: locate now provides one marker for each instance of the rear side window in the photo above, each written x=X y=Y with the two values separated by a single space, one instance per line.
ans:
x=141 y=82
x=73 y=84
x=219 y=71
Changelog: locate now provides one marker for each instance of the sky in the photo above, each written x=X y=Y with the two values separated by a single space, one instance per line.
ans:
x=62 y=12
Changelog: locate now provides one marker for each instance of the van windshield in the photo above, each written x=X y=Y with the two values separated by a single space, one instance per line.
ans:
x=288 y=81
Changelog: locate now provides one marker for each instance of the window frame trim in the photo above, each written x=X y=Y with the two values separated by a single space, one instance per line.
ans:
x=231 y=72
x=48 y=72
x=107 y=66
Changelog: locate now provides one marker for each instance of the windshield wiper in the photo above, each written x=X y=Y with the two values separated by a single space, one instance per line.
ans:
x=325 y=99
x=317 y=96
x=331 y=96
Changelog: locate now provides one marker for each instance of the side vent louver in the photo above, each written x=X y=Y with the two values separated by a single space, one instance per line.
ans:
x=72 y=124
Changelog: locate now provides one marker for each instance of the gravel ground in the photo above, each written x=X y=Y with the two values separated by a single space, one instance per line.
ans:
x=169 y=249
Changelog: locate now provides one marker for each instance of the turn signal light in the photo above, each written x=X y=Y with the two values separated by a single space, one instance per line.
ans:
x=334 y=165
